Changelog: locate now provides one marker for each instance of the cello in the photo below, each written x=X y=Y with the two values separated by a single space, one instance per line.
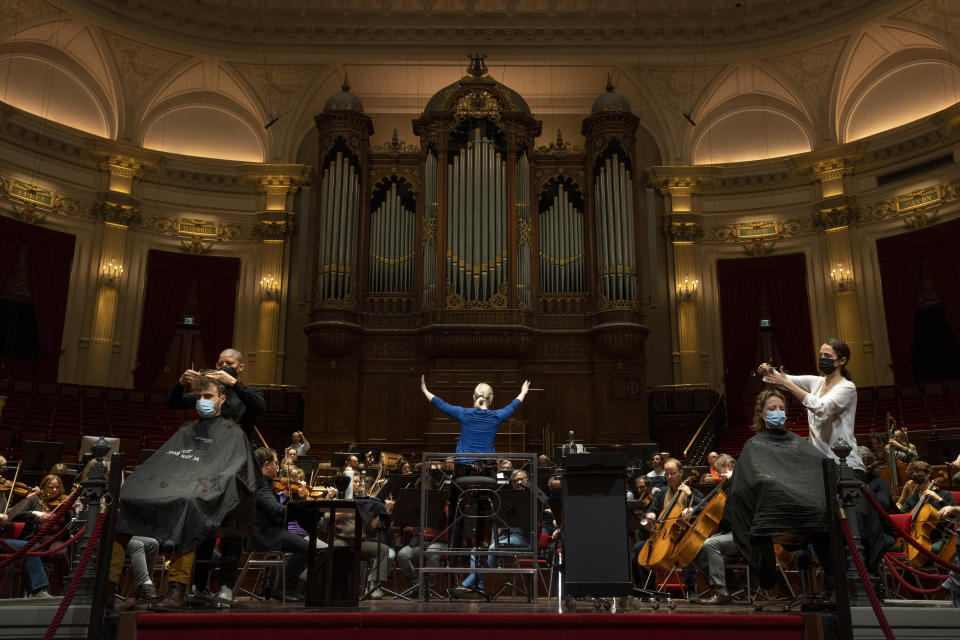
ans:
x=656 y=553
x=694 y=534
x=923 y=523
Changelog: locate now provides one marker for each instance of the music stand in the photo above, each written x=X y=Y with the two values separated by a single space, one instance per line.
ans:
x=515 y=513
x=406 y=513
x=39 y=455
x=641 y=454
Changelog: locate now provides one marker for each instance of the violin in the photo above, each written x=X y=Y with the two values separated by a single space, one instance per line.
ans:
x=290 y=487
x=53 y=503
x=319 y=493
x=18 y=489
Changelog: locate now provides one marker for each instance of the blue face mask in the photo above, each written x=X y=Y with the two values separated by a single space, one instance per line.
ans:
x=776 y=419
x=206 y=408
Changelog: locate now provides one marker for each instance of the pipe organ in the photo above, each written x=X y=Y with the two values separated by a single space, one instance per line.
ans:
x=429 y=261
x=392 y=222
x=477 y=221
x=340 y=189
x=561 y=238
x=616 y=244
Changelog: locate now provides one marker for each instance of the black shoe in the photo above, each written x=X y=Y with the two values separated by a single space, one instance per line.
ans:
x=291 y=597
x=146 y=591
x=716 y=599
x=692 y=596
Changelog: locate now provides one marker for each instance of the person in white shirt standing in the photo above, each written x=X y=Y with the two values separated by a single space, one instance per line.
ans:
x=830 y=400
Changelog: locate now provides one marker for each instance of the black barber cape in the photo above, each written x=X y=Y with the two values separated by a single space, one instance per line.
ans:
x=195 y=482
x=777 y=488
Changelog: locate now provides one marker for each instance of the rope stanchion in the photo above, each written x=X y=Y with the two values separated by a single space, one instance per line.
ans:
x=906 y=536
x=92 y=544
x=864 y=578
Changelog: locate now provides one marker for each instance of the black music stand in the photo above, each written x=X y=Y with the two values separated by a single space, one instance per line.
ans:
x=514 y=513
x=406 y=513
x=39 y=455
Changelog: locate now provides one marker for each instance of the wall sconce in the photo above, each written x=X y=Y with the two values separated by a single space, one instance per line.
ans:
x=269 y=288
x=688 y=290
x=842 y=278
x=110 y=274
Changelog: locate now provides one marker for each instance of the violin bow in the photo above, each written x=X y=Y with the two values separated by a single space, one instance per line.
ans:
x=13 y=485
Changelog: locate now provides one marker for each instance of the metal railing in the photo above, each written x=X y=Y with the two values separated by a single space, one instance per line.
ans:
x=706 y=434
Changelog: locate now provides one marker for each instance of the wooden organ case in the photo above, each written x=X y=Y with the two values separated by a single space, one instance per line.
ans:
x=475 y=257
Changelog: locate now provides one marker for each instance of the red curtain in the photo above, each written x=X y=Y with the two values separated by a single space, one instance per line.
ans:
x=49 y=259
x=169 y=279
x=901 y=259
x=740 y=283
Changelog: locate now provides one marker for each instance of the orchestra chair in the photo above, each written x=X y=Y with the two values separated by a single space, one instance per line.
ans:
x=13 y=571
x=806 y=575
x=544 y=561
x=261 y=562
x=893 y=587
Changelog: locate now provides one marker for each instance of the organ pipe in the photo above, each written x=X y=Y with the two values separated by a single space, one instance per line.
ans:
x=391 y=245
x=429 y=216
x=615 y=237
x=341 y=190
x=476 y=220
x=523 y=214
x=561 y=245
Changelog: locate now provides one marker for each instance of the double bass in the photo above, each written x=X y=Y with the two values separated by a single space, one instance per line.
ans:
x=896 y=469
x=657 y=553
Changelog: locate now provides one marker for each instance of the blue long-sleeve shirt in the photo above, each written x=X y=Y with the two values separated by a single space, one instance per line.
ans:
x=478 y=427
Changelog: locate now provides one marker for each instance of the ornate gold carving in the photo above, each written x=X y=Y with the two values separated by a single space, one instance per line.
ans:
x=687 y=232
x=395 y=146
x=119 y=215
x=119 y=165
x=607 y=304
x=477 y=103
x=430 y=231
x=497 y=301
x=524 y=231
x=757 y=248
x=196 y=246
x=272 y=231
x=559 y=147
x=30 y=213
x=836 y=218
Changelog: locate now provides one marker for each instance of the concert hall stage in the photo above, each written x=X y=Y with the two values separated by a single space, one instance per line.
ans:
x=479 y=620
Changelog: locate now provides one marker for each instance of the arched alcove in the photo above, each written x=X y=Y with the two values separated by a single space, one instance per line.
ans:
x=45 y=88
x=903 y=95
x=751 y=133
x=206 y=131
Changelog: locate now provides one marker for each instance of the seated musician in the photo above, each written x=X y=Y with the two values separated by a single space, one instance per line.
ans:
x=716 y=547
x=952 y=583
x=36 y=576
x=370 y=549
x=689 y=498
x=643 y=490
x=270 y=532
x=878 y=486
x=201 y=477
x=507 y=537
x=921 y=474
x=901 y=447
x=714 y=476
x=37 y=511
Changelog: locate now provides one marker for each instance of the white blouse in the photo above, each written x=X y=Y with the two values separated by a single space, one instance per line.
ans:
x=832 y=416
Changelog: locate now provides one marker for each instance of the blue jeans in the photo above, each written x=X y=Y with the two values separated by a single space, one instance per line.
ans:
x=32 y=567
x=508 y=538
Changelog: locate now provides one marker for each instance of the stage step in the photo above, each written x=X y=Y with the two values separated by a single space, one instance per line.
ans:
x=909 y=619
x=30 y=617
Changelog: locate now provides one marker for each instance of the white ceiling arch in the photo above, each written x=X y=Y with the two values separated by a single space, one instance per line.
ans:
x=751 y=127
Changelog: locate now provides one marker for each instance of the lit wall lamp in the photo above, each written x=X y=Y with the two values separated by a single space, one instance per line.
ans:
x=110 y=274
x=688 y=290
x=269 y=288
x=842 y=278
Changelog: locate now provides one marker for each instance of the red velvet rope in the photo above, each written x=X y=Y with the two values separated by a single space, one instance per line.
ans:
x=911 y=587
x=44 y=531
x=92 y=544
x=933 y=576
x=865 y=579
x=906 y=536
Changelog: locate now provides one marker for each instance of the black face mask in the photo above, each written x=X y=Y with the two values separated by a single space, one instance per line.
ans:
x=230 y=371
x=827 y=365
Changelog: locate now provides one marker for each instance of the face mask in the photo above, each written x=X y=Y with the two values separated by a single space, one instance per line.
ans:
x=230 y=371
x=776 y=419
x=827 y=365
x=206 y=408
